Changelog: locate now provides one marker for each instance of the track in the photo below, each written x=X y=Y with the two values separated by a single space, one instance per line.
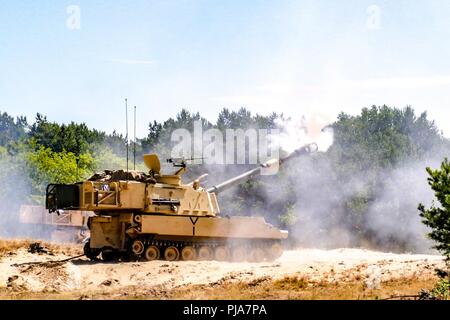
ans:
x=150 y=249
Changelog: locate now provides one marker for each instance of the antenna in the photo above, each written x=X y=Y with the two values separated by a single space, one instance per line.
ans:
x=126 y=119
x=77 y=158
x=134 y=144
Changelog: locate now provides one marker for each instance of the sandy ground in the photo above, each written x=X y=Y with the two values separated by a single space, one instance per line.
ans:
x=82 y=278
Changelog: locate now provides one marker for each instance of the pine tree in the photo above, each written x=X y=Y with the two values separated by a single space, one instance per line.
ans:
x=437 y=217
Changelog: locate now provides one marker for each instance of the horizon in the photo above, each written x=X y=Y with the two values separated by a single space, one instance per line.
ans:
x=79 y=61
x=312 y=122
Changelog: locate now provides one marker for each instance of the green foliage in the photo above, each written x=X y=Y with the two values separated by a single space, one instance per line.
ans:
x=442 y=289
x=155 y=130
x=74 y=138
x=289 y=218
x=46 y=166
x=11 y=130
x=437 y=217
x=244 y=119
x=159 y=137
x=382 y=137
x=105 y=158
x=366 y=148
x=115 y=142
x=15 y=188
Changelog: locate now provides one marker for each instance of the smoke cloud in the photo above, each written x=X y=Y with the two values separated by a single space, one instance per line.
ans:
x=375 y=209
x=16 y=191
x=388 y=220
x=298 y=132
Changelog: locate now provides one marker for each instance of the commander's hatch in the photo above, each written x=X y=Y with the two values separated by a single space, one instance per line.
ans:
x=154 y=165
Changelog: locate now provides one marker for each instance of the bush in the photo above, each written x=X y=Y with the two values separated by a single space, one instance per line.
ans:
x=438 y=216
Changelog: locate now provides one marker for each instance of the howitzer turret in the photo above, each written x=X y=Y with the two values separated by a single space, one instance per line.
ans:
x=154 y=215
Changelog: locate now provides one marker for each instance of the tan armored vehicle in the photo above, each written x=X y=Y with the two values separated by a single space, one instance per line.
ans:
x=154 y=215
x=67 y=226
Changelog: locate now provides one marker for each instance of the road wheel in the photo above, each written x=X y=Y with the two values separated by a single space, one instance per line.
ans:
x=137 y=247
x=188 y=253
x=257 y=255
x=205 y=253
x=274 y=251
x=171 y=254
x=222 y=253
x=152 y=253
x=238 y=254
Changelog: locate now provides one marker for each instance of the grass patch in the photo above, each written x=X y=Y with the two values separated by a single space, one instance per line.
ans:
x=290 y=283
x=286 y=288
x=297 y=287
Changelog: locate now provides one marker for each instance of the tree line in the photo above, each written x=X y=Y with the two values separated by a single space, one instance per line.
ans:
x=340 y=186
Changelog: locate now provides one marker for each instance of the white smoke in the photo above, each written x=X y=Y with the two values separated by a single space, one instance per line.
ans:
x=22 y=215
x=295 y=133
x=384 y=203
x=325 y=139
x=390 y=221
x=15 y=192
x=394 y=214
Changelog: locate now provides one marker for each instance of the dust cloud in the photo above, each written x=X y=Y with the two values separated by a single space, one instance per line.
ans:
x=16 y=190
x=388 y=220
x=317 y=198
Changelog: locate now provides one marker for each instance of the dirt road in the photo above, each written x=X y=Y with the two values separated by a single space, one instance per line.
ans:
x=81 y=278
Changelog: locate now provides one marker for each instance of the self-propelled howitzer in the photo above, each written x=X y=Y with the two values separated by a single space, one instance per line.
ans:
x=153 y=215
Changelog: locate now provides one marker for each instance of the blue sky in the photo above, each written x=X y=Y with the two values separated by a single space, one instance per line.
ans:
x=298 y=57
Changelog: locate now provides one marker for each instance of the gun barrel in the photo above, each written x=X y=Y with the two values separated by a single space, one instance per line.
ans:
x=233 y=181
x=310 y=148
